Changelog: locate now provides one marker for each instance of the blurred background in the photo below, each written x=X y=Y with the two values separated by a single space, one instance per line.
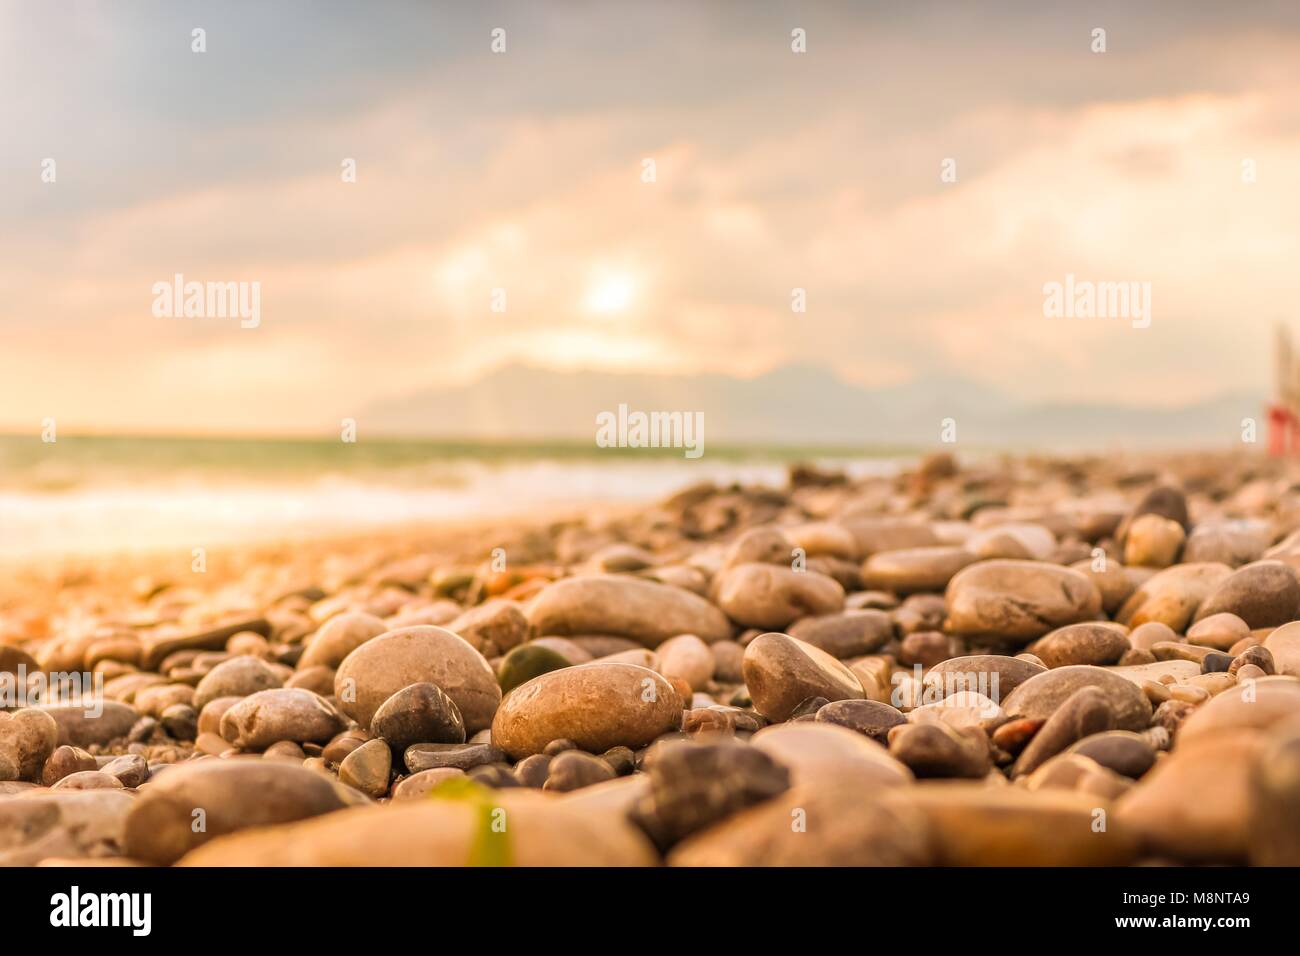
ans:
x=524 y=171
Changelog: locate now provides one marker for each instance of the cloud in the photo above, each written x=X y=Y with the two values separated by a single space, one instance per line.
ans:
x=523 y=172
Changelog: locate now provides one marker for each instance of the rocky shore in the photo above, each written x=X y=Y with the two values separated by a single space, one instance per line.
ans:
x=1034 y=661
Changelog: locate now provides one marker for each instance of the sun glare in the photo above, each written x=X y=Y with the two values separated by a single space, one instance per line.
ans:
x=610 y=294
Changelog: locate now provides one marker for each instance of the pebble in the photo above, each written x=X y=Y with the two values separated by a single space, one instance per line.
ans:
x=420 y=713
x=528 y=661
x=839 y=828
x=915 y=569
x=367 y=768
x=1085 y=712
x=1153 y=542
x=88 y=780
x=1194 y=805
x=990 y=674
x=27 y=740
x=940 y=750
x=927 y=648
x=423 y=756
x=196 y=802
x=492 y=628
x=573 y=770
x=84 y=727
x=781 y=672
x=1273 y=830
x=180 y=721
x=1172 y=596
x=1218 y=631
x=819 y=753
x=1088 y=643
x=1070 y=771
x=418 y=785
x=772 y=597
x=869 y=717
x=1127 y=753
x=1040 y=696
x=688 y=658
x=1019 y=600
x=338 y=637
x=283 y=713
x=1284 y=647
x=847 y=634
x=65 y=761
x=596 y=705
x=693 y=786
x=728 y=657
x=1257 y=706
x=974 y=825
x=237 y=677
x=542 y=830
x=643 y=610
x=1258 y=657
x=383 y=665
x=1263 y=594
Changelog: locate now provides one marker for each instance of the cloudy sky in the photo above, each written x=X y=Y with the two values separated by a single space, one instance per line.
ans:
x=522 y=171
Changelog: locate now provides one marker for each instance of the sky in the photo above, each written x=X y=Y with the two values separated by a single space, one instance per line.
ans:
x=524 y=171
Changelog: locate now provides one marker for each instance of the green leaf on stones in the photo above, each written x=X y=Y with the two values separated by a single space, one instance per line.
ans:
x=490 y=846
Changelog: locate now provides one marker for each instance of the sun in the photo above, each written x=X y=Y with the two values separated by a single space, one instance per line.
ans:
x=610 y=294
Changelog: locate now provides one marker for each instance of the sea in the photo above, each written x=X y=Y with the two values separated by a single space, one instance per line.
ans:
x=101 y=494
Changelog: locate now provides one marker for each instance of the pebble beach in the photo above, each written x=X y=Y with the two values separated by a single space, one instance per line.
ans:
x=1025 y=660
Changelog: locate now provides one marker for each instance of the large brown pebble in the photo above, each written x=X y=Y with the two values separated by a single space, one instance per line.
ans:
x=541 y=830
x=421 y=713
x=1194 y=806
x=1019 y=600
x=643 y=610
x=771 y=596
x=1086 y=643
x=1263 y=594
x=827 y=825
x=237 y=677
x=976 y=825
x=27 y=739
x=1040 y=696
x=283 y=713
x=338 y=637
x=381 y=667
x=193 y=803
x=596 y=705
x=782 y=672
x=1284 y=646
x=1257 y=705
x=1274 y=825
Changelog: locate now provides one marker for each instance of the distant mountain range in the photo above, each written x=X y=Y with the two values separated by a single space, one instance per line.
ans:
x=800 y=404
